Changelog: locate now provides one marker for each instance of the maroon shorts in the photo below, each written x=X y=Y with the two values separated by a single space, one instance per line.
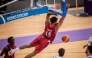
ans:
x=39 y=43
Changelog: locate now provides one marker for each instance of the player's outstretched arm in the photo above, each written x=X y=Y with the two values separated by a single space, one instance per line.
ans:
x=18 y=48
x=62 y=18
x=48 y=17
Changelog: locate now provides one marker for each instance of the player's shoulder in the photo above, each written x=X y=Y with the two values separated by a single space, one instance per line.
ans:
x=6 y=48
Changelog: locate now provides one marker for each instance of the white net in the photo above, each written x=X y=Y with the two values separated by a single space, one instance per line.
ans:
x=53 y=5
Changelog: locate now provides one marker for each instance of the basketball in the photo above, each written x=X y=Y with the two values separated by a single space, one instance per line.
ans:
x=65 y=38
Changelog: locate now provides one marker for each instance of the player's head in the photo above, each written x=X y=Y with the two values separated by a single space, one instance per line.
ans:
x=61 y=52
x=11 y=40
x=53 y=19
x=90 y=49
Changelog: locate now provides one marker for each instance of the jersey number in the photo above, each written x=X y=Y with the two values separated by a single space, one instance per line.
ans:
x=48 y=33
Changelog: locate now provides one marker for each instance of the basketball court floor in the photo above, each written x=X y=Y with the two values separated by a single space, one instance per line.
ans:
x=26 y=29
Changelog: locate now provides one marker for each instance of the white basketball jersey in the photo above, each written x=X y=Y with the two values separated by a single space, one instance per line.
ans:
x=89 y=41
x=89 y=57
x=57 y=57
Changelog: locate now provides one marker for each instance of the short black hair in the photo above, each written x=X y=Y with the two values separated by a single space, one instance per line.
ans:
x=53 y=19
x=61 y=51
x=90 y=49
x=9 y=39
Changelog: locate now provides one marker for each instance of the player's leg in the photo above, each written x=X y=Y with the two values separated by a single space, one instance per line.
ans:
x=18 y=48
x=38 y=48
x=25 y=46
x=32 y=44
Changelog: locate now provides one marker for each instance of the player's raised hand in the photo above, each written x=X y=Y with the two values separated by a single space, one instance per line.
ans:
x=67 y=5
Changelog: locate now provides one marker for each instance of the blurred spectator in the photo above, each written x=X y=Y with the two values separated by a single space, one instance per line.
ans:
x=3 y=9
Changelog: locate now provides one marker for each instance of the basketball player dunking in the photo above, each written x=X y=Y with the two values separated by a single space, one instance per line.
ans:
x=47 y=37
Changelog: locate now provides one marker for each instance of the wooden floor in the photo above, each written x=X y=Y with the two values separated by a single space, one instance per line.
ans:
x=72 y=50
x=35 y=25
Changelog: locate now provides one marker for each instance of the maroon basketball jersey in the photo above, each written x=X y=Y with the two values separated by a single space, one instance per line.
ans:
x=9 y=47
x=49 y=32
